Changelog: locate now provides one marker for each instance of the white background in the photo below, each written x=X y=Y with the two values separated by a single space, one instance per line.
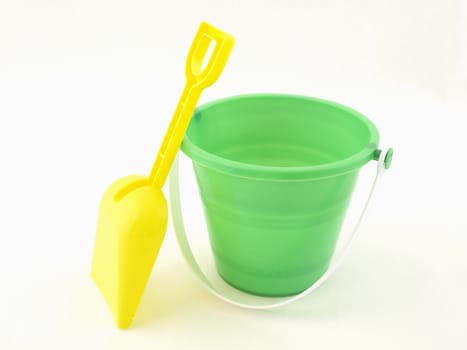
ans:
x=87 y=89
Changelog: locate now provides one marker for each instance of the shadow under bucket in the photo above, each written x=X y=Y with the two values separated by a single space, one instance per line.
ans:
x=275 y=175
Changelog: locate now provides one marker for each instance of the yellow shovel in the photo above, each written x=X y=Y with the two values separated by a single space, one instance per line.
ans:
x=133 y=212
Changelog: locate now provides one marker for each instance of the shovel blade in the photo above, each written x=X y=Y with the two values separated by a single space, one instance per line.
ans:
x=129 y=234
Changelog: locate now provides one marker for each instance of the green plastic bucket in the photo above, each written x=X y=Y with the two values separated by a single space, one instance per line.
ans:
x=275 y=176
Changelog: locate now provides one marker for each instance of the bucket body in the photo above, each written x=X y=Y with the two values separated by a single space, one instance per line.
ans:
x=275 y=175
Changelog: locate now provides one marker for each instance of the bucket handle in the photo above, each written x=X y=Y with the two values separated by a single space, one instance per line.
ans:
x=247 y=300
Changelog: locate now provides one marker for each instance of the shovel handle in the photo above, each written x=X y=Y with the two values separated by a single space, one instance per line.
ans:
x=197 y=78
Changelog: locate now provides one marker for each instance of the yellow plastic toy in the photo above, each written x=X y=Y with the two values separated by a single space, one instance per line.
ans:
x=133 y=211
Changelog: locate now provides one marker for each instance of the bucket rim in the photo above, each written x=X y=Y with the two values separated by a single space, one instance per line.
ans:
x=233 y=167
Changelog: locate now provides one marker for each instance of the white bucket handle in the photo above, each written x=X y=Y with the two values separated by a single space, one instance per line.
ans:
x=250 y=301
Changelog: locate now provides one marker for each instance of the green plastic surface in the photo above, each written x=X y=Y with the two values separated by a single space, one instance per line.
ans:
x=275 y=175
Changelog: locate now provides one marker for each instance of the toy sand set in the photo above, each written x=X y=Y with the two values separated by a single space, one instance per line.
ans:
x=275 y=174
